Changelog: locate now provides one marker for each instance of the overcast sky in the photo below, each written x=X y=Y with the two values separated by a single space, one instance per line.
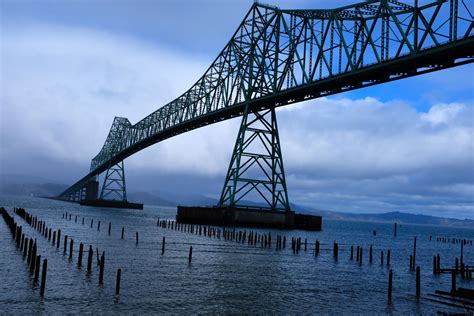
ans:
x=68 y=67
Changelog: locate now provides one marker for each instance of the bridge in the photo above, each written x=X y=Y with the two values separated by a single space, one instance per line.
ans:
x=278 y=57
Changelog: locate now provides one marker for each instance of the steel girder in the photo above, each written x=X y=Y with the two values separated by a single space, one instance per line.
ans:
x=256 y=168
x=114 y=184
x=277 y=57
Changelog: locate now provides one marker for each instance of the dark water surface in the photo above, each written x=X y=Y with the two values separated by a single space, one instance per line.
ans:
x=224 y=276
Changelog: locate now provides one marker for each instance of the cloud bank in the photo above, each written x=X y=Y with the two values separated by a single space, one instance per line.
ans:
x=61 y=88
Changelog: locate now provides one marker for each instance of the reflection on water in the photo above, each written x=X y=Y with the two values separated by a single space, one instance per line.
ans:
x=224 y=276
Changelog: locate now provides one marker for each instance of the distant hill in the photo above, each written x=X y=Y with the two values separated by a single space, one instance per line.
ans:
x=399 y=217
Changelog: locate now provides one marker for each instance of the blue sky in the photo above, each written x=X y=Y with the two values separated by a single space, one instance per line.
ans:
x=69 y=67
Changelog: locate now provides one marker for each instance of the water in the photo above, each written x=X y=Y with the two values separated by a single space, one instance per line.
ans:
x=224 y=276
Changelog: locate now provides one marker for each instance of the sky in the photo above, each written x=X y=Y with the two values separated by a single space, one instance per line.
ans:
x=68 y=67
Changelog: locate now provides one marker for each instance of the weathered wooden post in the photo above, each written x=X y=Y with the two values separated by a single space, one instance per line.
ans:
x=101 y=269
x=123 y=230
x=414 y=253
x=352 y=252
x=59 y=238
x=98 y=226
x=381 y=257
x=37 y=268
x=434 y=265
x=92 y=222
x=117 y=283
x=438 y=263
x=305 y=244
x=110 y=227
x=83 y=221
x=418 y=281
x=25 y=247
x=395 y=230
x=79 y=260
x=163 y=246
x=65 y=244
x=284 y=241
x=360 y=258
x=317 y=247
x=358 y=253
x=43 y=277
x=390 y=277
x=370 y=254
x=190 y=254
x=136 y=237
x=33 y=258
x=89 y=258
x=71 y=246
x=54 y=238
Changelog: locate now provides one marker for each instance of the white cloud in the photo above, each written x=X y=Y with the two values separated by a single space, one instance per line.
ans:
x=61 y=88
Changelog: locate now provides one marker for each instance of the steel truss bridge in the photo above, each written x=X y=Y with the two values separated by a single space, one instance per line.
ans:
x=278 y=57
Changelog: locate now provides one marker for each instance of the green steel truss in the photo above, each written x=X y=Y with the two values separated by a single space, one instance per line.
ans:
x=114 y=184
x=256 y=167
x=277 y=57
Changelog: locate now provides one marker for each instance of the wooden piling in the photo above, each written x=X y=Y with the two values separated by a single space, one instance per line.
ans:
x=190 y=254
x=438 y=263
x=54 y=238
x=414 y=253
x=89 y=259
x=123 y=230
x=317 y=247
x=92 y=222
x=43 y=277
x=25 y=247
x=370 y=254
x=163 y=246
x=418 y=281
x=434 y=265
x=381 y=257
x=65 y=244
x=352 y=252
x=411 y=262
x=101 y=269
x=136 y=237
x=98 y=226
x=117 y=282
x=360 y=258
x=395 y=230
x=33 y=258
x=59 y=238
x=390 y=277
x=110 y=227
x=358 y=253
x=79 y=260
x=71 y=246
x=37 y=268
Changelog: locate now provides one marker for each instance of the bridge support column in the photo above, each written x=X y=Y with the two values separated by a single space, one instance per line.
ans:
x=256 y=168
x=114 y=184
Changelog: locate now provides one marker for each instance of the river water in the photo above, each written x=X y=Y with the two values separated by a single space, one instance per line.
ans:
x=224 y=276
